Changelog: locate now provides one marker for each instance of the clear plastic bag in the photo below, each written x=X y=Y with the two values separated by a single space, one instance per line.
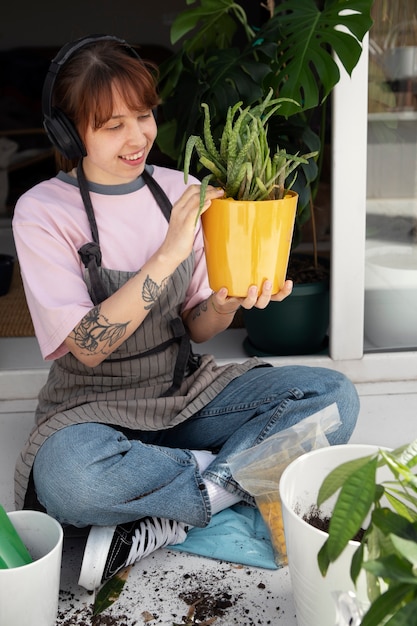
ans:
x=258 y=469
x=349 y=611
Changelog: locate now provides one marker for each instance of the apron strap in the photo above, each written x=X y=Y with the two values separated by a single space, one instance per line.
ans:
x=159 y=194
x=181 y=363
x=90 y=253
x=85 y=195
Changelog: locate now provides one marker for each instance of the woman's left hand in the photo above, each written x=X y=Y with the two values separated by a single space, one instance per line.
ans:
x=216 y=313
x=253 y=299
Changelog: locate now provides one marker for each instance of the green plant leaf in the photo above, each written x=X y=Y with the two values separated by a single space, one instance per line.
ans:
x=352 y=506
x=399 y=469
x=209 y=10
x=388 y=604
x=357 y=560
x=407 y=549
x=399 y=506
x=110 y=591
x=208 y=137
x=204 y=184
x=238 y=159
x=392 y=568
x=335 y=479
x=192 y=143
x=404 y=616
x=374 y=544
x=390 y=522
x=408 y=454
x=212 y=167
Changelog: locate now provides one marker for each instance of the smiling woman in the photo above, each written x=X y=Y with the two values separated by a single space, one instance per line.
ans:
x=114 y=270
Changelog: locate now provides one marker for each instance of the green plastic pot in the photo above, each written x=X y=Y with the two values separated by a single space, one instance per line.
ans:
x=297 y=325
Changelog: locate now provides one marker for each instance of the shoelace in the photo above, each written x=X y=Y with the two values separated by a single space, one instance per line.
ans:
x=154 y=533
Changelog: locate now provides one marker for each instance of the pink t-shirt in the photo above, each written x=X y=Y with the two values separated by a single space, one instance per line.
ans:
x=50 y=225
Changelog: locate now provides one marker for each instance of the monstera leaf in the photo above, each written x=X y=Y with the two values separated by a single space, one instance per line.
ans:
x=307 y=37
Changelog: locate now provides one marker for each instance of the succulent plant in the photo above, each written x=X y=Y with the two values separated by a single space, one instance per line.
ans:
x=241 y=161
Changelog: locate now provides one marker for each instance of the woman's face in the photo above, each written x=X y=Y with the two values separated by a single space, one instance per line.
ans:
x=117 y=152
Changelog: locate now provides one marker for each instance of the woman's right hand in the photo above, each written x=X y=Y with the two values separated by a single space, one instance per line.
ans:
x=179 y=240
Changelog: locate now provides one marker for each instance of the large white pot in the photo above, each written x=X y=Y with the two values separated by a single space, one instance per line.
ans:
x=391 y=295
x=314 y=597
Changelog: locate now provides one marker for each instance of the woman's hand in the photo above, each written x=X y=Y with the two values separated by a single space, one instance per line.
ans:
x=179 y=240
x=223 y=303
x=216 y=313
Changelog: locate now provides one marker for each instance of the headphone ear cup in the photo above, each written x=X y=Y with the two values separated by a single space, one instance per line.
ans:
x=63 y=135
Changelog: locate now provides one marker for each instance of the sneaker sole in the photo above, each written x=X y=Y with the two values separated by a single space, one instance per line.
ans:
x=95 y=556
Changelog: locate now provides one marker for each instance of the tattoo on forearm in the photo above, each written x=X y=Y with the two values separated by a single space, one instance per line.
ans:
x=96 y=334
x=200 y=308
x=151 y=291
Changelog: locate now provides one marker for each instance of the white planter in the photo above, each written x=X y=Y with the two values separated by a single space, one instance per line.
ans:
x=391 y=296
x=400 y=63
x=314 y=594
x=29 y=594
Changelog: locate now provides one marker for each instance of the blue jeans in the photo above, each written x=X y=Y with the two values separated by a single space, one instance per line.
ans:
x=96 y=474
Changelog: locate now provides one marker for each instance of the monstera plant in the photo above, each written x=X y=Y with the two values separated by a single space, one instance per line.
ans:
x=230 y=51
x=226 y=55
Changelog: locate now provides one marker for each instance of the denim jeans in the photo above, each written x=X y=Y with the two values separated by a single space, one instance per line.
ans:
x=96 y=474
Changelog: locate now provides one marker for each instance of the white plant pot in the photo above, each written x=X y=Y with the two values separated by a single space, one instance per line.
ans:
x=391 y=296
x=400 y=63
x=314 y=597
x=29 y=594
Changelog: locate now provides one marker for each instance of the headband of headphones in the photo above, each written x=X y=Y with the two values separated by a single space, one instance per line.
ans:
x=60 y=130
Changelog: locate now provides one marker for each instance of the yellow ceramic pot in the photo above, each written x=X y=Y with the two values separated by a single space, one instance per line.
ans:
x=248 y=242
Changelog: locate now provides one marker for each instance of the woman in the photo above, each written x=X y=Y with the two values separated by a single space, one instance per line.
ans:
x=133 y=431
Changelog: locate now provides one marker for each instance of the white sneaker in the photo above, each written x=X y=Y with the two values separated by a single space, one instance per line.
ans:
x=111 y=548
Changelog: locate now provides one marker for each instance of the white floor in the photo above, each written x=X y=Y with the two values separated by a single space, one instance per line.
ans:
x=248 y=595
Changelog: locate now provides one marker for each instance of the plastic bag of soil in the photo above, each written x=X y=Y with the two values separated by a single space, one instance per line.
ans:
x=258 y=469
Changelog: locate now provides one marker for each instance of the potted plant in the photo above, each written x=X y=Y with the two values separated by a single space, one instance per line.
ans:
x=306 y=526
x=386 y=510
x=226 y=54
x=230 y=51
x=248 y=234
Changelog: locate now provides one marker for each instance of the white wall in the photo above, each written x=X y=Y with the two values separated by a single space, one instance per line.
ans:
x=53 y=22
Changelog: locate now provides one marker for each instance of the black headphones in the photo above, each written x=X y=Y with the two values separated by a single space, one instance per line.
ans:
x=60 y=130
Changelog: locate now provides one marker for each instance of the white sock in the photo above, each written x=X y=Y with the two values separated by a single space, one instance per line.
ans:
x=220 y=498
x=203 y=458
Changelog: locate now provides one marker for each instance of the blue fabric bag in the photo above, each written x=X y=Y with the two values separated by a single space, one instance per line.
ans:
x=237 y=534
